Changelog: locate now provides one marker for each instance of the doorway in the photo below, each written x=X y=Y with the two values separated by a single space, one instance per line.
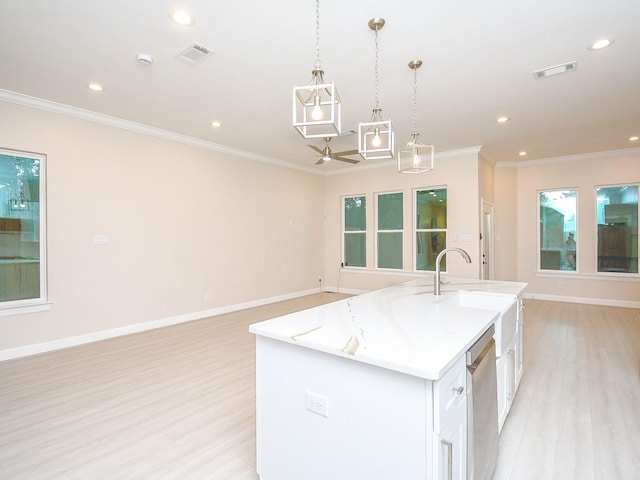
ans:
x=486 y=241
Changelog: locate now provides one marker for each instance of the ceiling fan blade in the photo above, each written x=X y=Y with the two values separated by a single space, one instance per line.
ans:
x=317 y=149
x=320 y=162
x=347 y=152
x=348 y=160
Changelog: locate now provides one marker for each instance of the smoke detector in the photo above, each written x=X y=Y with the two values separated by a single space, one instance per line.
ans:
x=144 y=59
x=557 y=70
x=195 y=53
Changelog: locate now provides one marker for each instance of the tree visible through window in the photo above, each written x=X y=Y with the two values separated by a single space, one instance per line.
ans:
x=354 y=233
x=617 y=218
x=431 y=227
x=390 y=224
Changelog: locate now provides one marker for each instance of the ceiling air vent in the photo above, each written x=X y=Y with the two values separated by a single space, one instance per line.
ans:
x=557 y=70
x=195 y=53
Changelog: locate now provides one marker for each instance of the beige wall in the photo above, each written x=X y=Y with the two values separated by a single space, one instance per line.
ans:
x=185 y=221
x=506 y=223
x=457 y=171
x=584 y=173
x=182 y=222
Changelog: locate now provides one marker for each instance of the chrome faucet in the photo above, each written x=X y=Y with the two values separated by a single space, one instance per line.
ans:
x=436 y=279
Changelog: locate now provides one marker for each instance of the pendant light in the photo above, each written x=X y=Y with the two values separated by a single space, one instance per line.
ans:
x=375 y=137
x=317 y=108
x=415 y=157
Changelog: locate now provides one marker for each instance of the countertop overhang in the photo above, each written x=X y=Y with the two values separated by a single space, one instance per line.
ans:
x=402 y=328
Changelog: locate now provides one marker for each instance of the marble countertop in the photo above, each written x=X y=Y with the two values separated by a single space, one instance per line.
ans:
x=402 y=328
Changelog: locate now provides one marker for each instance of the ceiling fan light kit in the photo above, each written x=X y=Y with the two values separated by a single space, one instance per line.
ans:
x=317 y=108
x=376 y=137
x=327 y=155
x=415 y=156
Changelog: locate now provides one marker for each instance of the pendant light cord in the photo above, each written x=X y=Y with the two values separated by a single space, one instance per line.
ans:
x=318 y=65
x=377 y=105
x=415 y=100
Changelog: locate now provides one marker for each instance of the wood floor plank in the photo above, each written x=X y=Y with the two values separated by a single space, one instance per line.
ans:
x=179 y=402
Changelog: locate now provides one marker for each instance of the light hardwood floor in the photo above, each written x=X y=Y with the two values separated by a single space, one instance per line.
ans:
x=179 y=402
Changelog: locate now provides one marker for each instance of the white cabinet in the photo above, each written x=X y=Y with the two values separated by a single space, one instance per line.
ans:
x=519 y=344
x=321 y=416
x=450 y=423
x=451 y=445
x=509 y=368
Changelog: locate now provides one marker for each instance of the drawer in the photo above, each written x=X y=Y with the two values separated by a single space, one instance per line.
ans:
x=449 y=392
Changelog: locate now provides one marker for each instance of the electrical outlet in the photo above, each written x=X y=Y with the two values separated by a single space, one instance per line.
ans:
x=207 y=297
x=317 y=403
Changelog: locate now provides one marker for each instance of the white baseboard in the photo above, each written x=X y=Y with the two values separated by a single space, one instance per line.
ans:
x=589 y=301
x=35 y=349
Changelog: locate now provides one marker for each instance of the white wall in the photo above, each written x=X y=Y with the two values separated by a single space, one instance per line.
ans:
x=457 y=171
x=583 y=172
x=182 y=221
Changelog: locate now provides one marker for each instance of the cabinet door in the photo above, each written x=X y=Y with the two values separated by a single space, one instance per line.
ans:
x=451 y=446
x=519 y=345
x=502 y=369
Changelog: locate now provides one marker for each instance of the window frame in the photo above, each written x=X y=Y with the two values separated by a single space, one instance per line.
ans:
x=596 y=239
x=539 y=236
x=378 y=230
x=29 y=305
x=414 y=225
x=346 y=232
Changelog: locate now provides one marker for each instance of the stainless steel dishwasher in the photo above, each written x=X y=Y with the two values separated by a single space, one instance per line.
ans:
x=482 y=422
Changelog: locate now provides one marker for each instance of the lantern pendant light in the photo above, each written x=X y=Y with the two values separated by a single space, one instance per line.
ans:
x=415 y=157
x=375 y=137
x=317 y=108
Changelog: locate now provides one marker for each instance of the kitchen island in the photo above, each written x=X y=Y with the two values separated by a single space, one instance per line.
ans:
x=372 y=387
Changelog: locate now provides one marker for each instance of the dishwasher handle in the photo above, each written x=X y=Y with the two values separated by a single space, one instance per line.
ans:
x=480 y=349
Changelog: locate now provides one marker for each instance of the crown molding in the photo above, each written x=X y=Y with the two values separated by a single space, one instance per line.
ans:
x=581 y=157
x=79 y=113
x=393 y=162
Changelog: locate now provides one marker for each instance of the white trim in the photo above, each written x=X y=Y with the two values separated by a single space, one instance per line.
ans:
x=385 y=271
x=584 y=300
x=606 y=155
x=605 y=276
x=34 y=349
x=81 y=114
x=33 y=307
x=394 y=163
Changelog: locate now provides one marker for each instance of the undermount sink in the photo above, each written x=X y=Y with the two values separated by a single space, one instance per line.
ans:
x=505 y=324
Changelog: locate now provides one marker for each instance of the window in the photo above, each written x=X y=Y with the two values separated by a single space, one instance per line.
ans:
x=22 y=232
x=558 y=237
x=431 y=227
x=354 y=233
x=389 y=230
x=617 y=219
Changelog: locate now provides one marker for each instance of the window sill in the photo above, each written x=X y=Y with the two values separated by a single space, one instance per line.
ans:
x=19 y=308
x=606 y=276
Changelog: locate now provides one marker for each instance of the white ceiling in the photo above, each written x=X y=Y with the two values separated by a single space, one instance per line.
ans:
x=478 y=57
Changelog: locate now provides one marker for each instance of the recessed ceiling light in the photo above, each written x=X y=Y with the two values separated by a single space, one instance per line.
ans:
x=601 y=43
x=502 y=119
x=522 y=153
x=635 y=138
x=95 y=87
x=216 y=124
x=182 y=18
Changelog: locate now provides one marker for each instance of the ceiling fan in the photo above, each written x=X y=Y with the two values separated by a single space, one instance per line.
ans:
x=327 y=154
